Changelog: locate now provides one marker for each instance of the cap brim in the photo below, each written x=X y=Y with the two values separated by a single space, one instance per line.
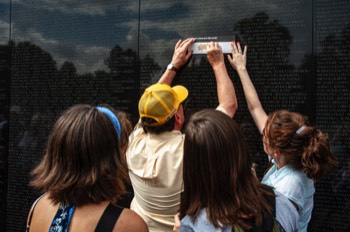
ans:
x=181 y=92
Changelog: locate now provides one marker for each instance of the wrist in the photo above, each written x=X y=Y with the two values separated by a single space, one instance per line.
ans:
x=241 y=68
x=220 y=65
x=172 y=67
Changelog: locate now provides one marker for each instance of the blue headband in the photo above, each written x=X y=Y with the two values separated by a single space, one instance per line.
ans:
x=112 y=117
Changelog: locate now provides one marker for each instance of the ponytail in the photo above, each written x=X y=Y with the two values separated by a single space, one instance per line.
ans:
x=303 y=147
x=317 y=158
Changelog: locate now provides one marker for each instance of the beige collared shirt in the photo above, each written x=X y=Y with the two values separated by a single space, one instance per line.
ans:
x=155 y=169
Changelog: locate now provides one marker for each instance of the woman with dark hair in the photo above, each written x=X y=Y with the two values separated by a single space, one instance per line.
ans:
x=82 y=175
x=221 y=192
x=301 y=154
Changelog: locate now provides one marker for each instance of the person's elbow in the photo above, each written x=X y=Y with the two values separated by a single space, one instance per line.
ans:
x=231 y=108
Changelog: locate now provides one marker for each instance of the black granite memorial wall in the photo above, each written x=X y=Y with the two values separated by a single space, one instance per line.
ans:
x=54 y=54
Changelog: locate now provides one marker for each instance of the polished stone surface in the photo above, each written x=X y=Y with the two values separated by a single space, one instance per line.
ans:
x=103 y=51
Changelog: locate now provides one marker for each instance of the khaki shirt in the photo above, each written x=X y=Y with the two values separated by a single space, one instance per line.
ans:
x=155 y=168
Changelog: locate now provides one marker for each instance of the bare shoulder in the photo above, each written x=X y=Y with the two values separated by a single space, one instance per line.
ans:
x=42 y=214
x=130 y=221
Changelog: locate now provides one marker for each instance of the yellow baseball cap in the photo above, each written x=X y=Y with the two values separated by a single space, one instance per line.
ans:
x=160 y=102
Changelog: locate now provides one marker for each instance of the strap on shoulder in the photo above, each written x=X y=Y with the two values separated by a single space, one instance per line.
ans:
x=273 y=225
x=269 y=219
x=271 y=199
x=109 y=218
x=29 y=220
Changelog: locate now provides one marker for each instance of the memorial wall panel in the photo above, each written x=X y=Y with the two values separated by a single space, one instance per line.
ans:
x=285 y=64
x=332 y=46
x=5 y=55
x=64 y=53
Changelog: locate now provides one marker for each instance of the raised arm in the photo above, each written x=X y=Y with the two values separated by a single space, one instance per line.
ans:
x=180 y=57
x=238 y=62
x=225 y=89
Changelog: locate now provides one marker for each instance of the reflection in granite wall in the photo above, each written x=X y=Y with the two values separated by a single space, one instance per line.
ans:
x=332 y=43
x=63 y=54
x=5 y=55
x=103 y=51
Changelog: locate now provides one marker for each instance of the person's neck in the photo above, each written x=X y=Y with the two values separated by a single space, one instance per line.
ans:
x=177 y=126
x=280 y=163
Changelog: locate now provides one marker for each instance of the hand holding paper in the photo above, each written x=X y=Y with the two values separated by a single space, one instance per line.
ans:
x=200 y=45
x=214 y=54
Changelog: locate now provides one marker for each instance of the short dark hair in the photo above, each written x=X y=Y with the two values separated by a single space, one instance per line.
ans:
x=168 y=126
x=82 y=163
x=217 y=173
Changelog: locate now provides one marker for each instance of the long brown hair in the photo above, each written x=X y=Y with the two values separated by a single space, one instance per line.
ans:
x=303 y=147
x=217 y=173
x=82 y=163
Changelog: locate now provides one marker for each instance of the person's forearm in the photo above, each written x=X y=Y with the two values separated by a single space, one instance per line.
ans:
x=225 y=90
x=238 y=62
x=167 y=77
x=252 y=98
x=250 y=93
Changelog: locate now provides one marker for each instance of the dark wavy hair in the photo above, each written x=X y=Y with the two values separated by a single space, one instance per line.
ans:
x=308 y=150
x=83 y=162
x=217 y=173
